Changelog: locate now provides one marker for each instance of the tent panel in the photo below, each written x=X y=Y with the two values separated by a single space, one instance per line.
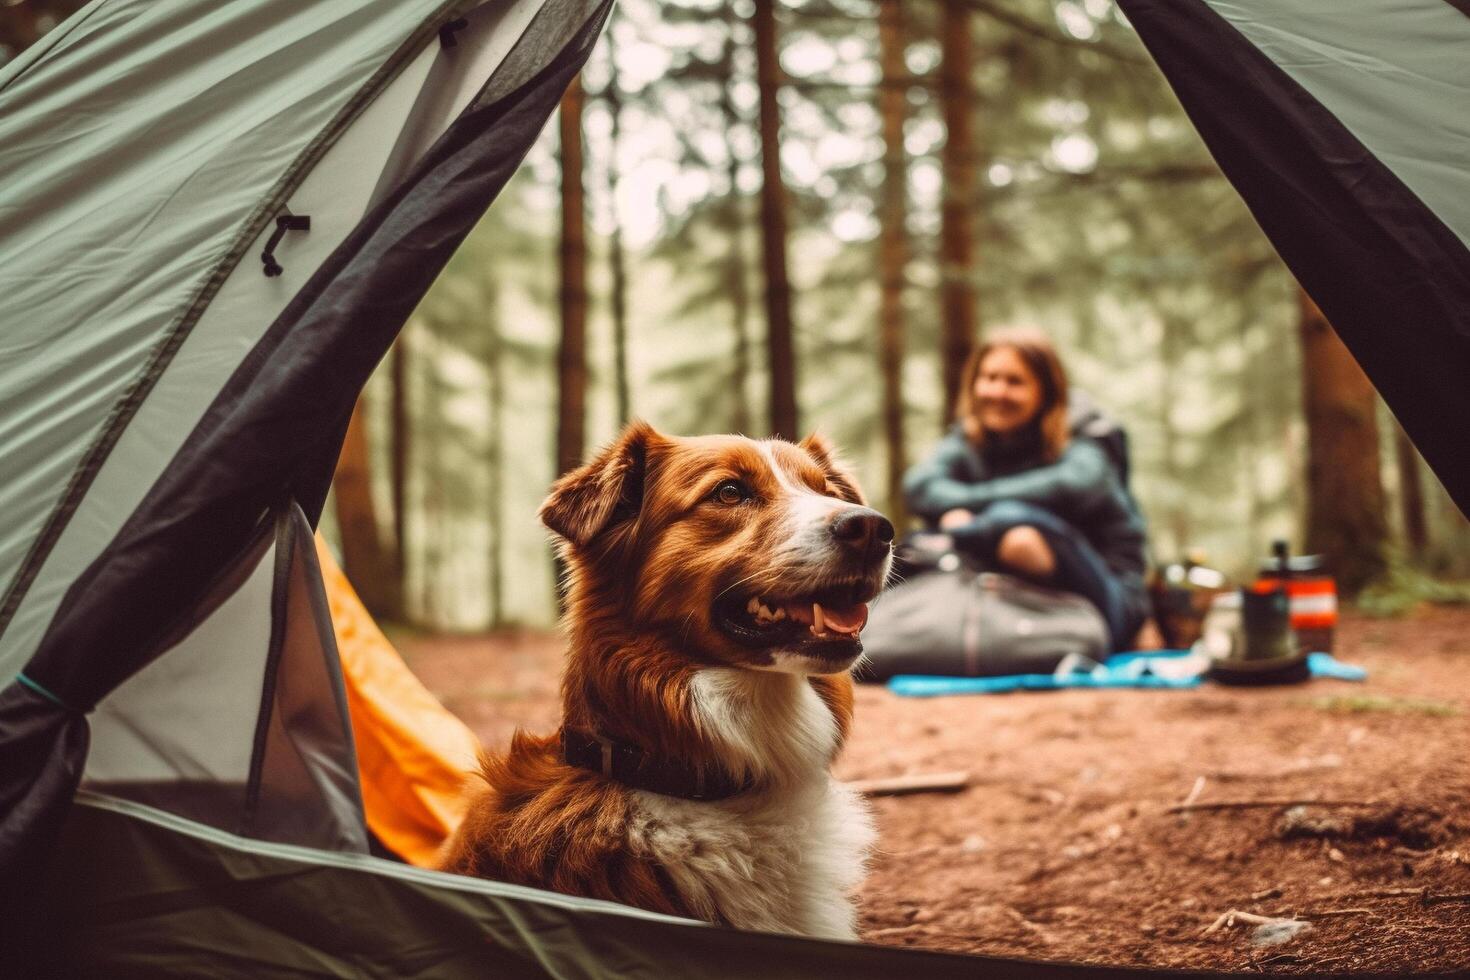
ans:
x=276 y=426
x=127 y=896
x=134 y=156
x=243 y=725
x=335 y=196
x=190 y=715
x=303 y=786
x=479 y=48
x=1391 y=276
x=1396 y=75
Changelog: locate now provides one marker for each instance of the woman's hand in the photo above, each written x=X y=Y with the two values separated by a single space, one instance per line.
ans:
x=955 y=518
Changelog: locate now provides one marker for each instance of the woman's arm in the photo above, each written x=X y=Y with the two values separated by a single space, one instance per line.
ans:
x=927 y=486
x=931 y=489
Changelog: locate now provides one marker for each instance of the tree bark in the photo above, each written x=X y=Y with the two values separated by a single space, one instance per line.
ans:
x=735 y=272
x=365 y=561
x=1346 y=513
x=571 y=359
x=780 y=330
x=1176 y=511
x=1411 y=495
x=617 y=261
x=400 y=435
x=495 y=462
x=893 y=247
x=959 y=319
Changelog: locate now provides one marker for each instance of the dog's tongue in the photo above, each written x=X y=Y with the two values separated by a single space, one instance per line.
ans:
x=841 y=619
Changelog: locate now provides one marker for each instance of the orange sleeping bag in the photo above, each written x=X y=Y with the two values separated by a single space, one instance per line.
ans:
x=412 y=755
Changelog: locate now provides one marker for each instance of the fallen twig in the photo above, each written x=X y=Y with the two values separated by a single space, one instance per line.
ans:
x=919 y=782
x=1230 y=918
x=1304 y=767
x=1266 y=804
x=1199 y=787
x=1424 y=895
x=1332 y=913
x=1419 y=893
x=1443 y=899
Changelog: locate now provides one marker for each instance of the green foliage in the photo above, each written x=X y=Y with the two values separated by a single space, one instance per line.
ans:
x=1405 y=588
x=1099 y=216
x=1363 y=704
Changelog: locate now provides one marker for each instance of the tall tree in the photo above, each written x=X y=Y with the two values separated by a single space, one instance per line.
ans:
x=617 y=262
x=495 y=454
x=367 y=563
x=434 y=600
x=892 y=245
x=736 y=284
x=1411 y=494
x=400 y=437
x=1346 y=513
x=780 y=330
x=957 y=246
x=571 y=358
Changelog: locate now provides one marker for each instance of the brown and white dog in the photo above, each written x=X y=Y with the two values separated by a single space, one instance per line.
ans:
x=715 y=590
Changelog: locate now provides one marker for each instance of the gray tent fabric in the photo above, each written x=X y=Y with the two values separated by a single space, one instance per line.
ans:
x=167 y=385
x=1346 y=129
x=139 y=893
x=258 y=742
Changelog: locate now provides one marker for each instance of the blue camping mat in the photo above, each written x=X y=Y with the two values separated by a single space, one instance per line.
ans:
x=1166 y=669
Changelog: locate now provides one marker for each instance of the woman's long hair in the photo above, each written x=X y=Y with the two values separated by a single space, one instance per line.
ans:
x=1040 y=357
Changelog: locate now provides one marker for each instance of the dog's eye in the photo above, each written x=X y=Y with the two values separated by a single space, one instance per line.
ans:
x=730 y=492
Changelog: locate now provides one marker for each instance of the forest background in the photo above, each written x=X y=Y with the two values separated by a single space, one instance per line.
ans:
x=759 y=216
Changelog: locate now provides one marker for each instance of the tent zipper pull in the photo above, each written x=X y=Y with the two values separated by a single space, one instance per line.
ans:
x=447 y=32
x=284 y=223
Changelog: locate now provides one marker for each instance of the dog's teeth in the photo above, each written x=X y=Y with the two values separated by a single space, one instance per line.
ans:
x=753 y=606
x=780 y=615
x=818 y=625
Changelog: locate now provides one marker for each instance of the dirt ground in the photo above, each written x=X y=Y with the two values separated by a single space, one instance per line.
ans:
x=1063 y=846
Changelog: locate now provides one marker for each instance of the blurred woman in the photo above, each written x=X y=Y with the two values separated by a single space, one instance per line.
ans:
x=1024 y=491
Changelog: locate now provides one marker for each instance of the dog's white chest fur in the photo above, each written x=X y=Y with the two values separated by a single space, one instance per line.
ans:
x=784 y=858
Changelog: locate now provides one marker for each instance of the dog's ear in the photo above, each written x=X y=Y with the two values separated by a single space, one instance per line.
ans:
x=819 y=449
x=600 y=494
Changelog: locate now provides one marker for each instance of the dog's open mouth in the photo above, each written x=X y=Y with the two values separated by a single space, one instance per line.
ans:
x=835 y=615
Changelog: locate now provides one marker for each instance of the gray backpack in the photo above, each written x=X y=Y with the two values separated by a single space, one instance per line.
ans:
x=956 y=621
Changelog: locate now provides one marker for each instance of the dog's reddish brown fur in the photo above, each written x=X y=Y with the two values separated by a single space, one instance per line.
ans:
x=644 y=553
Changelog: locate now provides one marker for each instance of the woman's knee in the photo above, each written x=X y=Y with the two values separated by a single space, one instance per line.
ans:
x=1004 y=512
x=1025 y=549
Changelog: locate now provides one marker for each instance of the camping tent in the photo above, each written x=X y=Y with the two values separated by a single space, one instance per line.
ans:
x=215 y=217
x=1346 y=129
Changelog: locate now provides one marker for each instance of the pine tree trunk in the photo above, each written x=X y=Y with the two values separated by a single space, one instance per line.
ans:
x=571 y=360
x=400 y=438
x=495 y=460
x=958 y=321
x=780 y=330
x=1176 y=513
x=1411 y=494
x=893 y=247
x=364 y=559
x=735 y=273
x=1346 y=513
x=616 y=255
x=432 y=603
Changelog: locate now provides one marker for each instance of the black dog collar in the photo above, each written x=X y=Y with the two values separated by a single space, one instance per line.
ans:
x=632 y=766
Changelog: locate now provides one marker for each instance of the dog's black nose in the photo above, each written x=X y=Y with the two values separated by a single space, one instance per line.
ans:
x=863 y=529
